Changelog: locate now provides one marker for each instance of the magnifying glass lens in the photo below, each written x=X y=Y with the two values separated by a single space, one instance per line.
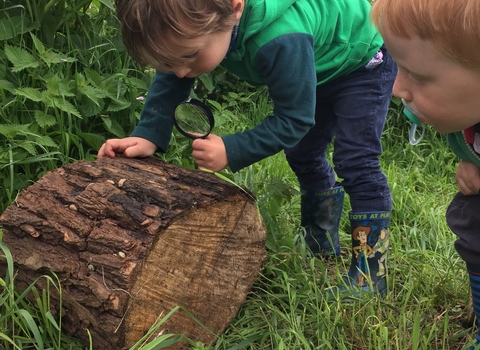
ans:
x=193 y=119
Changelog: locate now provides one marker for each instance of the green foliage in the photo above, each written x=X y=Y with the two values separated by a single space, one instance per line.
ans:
x=66 y=83
x=26 y=320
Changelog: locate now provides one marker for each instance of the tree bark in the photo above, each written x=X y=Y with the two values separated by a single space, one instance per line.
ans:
x=130 y=239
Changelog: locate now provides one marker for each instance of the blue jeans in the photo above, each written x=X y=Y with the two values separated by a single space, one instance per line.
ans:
x=351 y=111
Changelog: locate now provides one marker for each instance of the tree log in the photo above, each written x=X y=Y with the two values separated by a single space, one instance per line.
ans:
x=130 y=239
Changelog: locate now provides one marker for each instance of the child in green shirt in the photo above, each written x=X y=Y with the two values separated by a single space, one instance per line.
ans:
x=330 y=79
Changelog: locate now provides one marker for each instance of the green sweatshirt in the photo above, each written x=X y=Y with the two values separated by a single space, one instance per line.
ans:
x=461 y=144
x=289 y=45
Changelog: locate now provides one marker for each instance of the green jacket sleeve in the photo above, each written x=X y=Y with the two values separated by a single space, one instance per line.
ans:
x=288 y=67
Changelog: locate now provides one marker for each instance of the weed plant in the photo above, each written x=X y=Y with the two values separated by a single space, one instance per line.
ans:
x=67 y=84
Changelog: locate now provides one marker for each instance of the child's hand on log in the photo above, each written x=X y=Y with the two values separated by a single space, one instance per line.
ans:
x=130 y=147
x=210 y=153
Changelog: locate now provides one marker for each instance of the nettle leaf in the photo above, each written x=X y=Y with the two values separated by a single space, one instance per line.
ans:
x=79 y=80
x=207 y=81
x=38 y=44
x=114 y=87
x=215 y=104
x=45 y=120
x=94 y=78
x=52 y=57
x=64 y=89
x=93 y=140
x=56 y=87
x=20 y=58
x=93 y=94
x=113 y=127
x=44 y=140
x=118 y=105
x=88 y=108
x=11 y=130
x=65 y=106
x=27 y=146
x=53 y=85
x=138 y=84
x=30 y=93
x=6 y=85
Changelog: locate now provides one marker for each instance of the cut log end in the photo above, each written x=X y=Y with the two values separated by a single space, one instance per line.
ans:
x=131 y=239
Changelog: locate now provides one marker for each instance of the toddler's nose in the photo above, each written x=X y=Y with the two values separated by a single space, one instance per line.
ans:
x=181 y=73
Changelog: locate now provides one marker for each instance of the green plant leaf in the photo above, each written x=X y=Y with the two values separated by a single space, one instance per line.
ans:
x=92 y=93
x=88 y=108
x=226 y=179
x=93 y=140
x=108 y=3
x=65 y=106
x=52 y=57
x=153 y=329
x=44 y=120
x=57 y=87
x=45 y=140
x=207 y=81
x=113 y=127
x=27 y=146
x=32 y=326
x=118 y=105
x=20 y=58
x=38 y=45
x=30 y=93
x=15 y=25
x=6 y=85
x=11 y=130
x=138 y=84
x=162 y=342
x=52 y=320
x=8 y=256
x=93 y=77
x=9 y=340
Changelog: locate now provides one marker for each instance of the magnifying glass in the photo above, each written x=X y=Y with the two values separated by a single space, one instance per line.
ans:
x=193 y=119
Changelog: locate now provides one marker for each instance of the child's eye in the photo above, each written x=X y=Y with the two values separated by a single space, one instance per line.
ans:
x=417 y=78
x=191 y=56
x=414 y=77
x=411 y=77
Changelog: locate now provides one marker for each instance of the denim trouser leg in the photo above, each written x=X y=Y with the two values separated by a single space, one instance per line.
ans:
x=351 y=110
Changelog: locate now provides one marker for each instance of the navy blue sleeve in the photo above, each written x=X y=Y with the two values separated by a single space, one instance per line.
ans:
x=287 y=66
x=166 y=91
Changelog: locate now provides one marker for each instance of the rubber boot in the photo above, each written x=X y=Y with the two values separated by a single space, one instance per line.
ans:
x=474 y=275
x=370 y=241
x=321 y=213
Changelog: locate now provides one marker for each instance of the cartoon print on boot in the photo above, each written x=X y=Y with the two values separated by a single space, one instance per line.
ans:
x=381 y=247
x=362 y=251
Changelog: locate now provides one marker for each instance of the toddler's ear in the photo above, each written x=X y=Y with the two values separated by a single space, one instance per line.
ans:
x=238 y=6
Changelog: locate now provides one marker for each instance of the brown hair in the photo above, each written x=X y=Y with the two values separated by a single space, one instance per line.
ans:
x=154 y=30
x=452 y=25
